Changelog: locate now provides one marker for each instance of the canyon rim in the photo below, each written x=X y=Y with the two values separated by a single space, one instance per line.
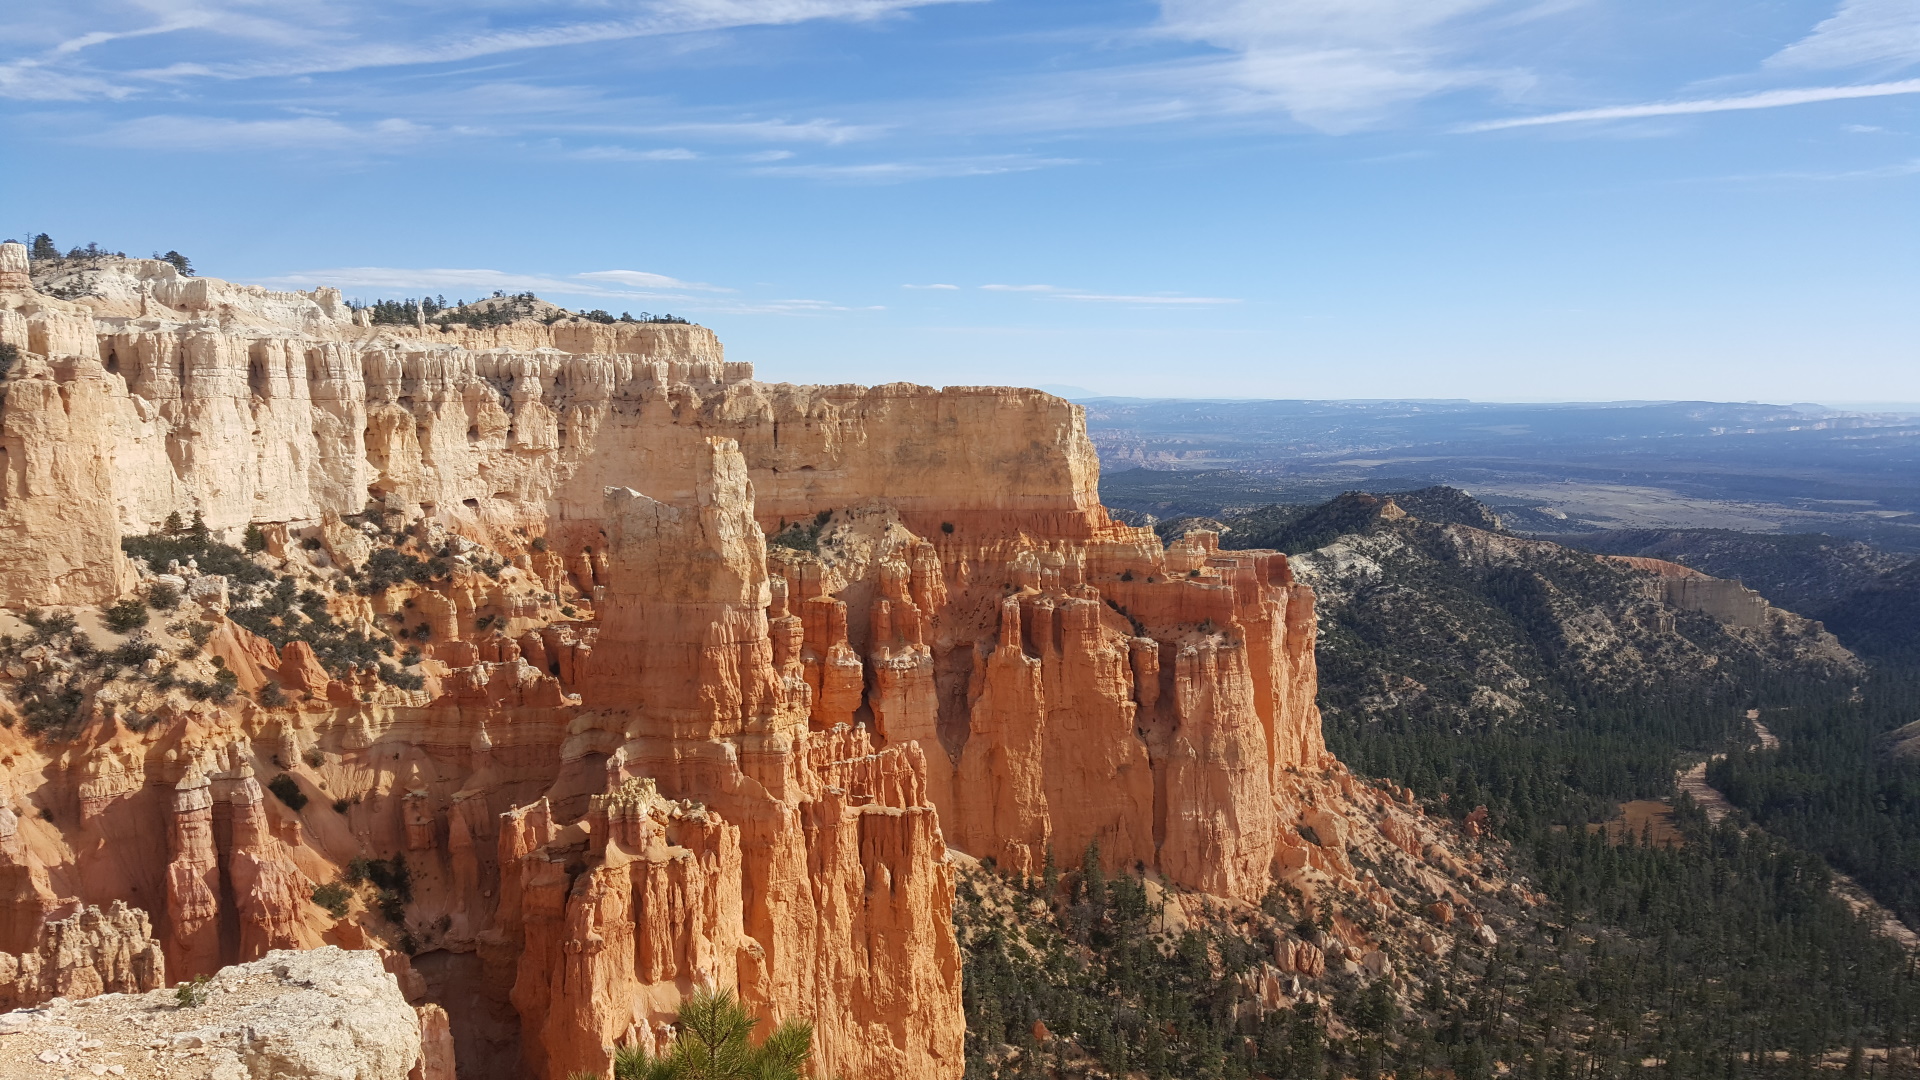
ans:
x=602 y=672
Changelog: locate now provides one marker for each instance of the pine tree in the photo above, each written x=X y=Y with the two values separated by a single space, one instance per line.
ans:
x=714 y=1044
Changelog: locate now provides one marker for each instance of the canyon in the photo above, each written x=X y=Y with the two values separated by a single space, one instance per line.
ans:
x=668 y=678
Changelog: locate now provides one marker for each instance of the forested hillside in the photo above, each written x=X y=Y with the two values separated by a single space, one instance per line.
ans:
x=1548 y=686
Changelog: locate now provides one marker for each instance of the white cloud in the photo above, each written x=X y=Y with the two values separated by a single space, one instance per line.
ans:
x=168 y=132
x=201 y=39
x=1055 y=292
x=1765 y=99
x=1109 y=299
x=622 y=153
x=1338 y=65
x=1861 y=129
x=822 y=131
x=942 y=287
x=1860 y=33
x=893 y=172
x=640 y=279
x=1881 y=172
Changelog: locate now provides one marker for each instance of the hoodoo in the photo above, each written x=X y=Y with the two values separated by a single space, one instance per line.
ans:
x=573 y=669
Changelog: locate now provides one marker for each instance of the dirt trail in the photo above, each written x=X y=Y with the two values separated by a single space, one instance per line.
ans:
x=1693 y=781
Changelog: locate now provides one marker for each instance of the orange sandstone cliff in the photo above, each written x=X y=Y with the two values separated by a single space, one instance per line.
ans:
x=713 y=673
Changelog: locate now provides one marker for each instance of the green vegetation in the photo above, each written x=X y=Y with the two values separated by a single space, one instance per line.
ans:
x=1081 y=959
x=392 y=882
x=714 y=1043
x=333 y=896
x=193 y=993
x=1548 y=688
x=9 y=356
x=802 y=536
x=179 y=542
x=1832 y=787
x=125 y=617
x=500 y=309
x=401 y=677
x=287 y=790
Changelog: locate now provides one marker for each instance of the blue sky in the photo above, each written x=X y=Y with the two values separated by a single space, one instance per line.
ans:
x=1498 y=199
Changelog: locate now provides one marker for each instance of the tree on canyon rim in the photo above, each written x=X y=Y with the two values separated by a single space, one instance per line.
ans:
x=714 y=1044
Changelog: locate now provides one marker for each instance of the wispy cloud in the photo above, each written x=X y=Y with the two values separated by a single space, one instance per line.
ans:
x=1861 y=33
x=225 y=40
x=820 y=130
x=622 y=153
x=895 y=172
x=1104 y=298
x=168 y=132
x=935 y=286
x=640 y=279
x=1765 y=99
x=1055 y=292
x=1339 y=65
x=1878 y=172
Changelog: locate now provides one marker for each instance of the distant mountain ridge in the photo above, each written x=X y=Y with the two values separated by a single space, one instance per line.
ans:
x=1429 y=610
x=1868 y=597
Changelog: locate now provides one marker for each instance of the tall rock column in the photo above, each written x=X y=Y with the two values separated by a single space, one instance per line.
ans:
x=270 y=892
x=193 y=881
x=1000 y=791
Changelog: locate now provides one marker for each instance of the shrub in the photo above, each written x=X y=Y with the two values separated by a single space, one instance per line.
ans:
x=340 y=806
x=51 y=624
x=287 y=790
x=256 y=539
x=313 y=757
x=162 y=596
x=133 y=653
x=333 y=896
x=271 y=696
x=405 y=680
x=177 y=541
x=393 y=880
x=193 y=994
x=53 y=711
x=9 y=356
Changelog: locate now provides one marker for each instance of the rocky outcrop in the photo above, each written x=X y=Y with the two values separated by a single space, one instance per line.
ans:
x=1690 y=590
x=87 y=953
x=691 y=680
x=325 y=1013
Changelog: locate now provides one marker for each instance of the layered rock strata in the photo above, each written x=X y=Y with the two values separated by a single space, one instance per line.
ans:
x=744 y=660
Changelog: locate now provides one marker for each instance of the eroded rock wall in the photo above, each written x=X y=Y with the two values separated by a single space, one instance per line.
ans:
x=743 y=661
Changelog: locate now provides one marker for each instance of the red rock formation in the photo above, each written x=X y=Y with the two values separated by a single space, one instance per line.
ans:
x=193 y=881
x=89 y=952
x=645 y=751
